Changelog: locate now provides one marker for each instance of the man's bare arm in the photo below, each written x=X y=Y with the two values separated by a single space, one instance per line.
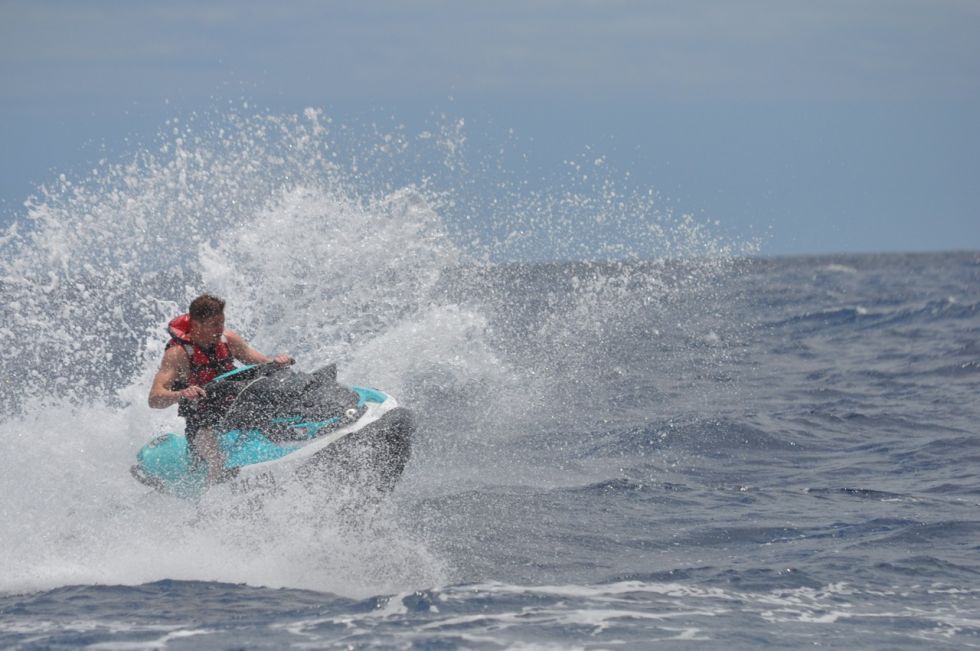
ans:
x=244 y=352
x=174 y=367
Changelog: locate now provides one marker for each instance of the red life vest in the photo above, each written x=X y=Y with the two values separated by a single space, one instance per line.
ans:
x=205 y=364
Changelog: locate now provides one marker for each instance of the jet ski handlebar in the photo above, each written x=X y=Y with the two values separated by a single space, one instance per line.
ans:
x=247 y=372
x=226 y=387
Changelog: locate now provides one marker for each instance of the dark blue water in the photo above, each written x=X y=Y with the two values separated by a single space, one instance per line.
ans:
x=801 y=469
x=690 y=446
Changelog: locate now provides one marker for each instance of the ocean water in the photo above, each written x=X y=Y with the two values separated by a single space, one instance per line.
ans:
x=681 y=445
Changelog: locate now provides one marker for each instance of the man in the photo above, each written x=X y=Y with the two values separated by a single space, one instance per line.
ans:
x=199 y=350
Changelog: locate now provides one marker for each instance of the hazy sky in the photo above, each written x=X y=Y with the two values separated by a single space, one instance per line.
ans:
x=832 y=125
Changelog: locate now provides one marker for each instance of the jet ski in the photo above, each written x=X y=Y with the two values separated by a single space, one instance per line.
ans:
x=281 y=425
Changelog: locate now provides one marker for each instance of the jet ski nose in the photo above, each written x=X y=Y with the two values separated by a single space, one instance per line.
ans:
x=142 y=477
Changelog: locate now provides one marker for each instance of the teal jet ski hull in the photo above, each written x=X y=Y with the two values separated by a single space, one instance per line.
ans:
x=370 y=442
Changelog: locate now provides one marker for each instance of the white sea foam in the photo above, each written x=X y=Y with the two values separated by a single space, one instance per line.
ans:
x=320 y=252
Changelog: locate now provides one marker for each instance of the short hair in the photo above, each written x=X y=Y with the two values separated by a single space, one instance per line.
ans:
x=206 y=306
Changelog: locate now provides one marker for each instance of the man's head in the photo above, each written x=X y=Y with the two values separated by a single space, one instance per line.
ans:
x=207 y=314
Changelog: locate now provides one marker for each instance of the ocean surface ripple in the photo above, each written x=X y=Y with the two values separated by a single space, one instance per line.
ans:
x=827 y=494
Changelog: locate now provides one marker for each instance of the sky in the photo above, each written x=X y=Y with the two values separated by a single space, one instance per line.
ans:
x=823 y=127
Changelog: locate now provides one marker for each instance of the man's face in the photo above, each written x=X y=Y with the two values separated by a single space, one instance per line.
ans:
x=209 y=331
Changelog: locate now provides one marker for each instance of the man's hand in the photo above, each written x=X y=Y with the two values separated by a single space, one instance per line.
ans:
x=193 y=393
x=283 y=360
